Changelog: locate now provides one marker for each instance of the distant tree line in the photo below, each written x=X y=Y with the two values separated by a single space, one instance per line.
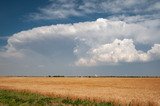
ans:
x=105 y=76
x=89 y=76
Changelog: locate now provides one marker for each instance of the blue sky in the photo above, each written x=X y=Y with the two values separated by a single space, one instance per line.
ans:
x=79 y=37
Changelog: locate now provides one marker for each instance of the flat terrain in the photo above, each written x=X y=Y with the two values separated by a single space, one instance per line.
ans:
x=120 y=90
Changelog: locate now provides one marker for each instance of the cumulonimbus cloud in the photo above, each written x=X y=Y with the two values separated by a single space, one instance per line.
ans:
x=92 y=43
x=118 y=51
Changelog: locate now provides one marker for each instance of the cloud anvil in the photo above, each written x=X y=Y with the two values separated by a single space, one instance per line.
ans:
x=81 y=35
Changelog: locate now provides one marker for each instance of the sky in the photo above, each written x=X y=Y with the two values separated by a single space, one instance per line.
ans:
x=80 y=37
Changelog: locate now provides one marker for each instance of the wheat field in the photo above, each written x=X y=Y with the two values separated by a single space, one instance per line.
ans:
x=140 y=91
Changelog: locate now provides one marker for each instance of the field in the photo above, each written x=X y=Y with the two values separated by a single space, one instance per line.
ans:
x=133 y=91
x=23 y=98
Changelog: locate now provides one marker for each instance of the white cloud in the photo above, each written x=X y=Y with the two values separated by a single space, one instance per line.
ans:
x=137 y=18
x=67 y=8
x=118 y=51
x=155 y=6
x=57 y=9
x=85 y=62
x=154 y=53
x=86 y=43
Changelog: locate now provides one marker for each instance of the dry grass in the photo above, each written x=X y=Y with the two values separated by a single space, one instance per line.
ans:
x=138 y=91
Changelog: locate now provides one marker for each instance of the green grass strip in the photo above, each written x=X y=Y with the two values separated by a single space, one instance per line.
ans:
x=16 y=98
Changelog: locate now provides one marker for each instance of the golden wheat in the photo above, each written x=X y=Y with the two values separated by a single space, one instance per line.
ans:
x=119 y=90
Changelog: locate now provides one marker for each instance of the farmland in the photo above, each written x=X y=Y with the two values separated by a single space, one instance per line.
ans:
x=142 y=91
